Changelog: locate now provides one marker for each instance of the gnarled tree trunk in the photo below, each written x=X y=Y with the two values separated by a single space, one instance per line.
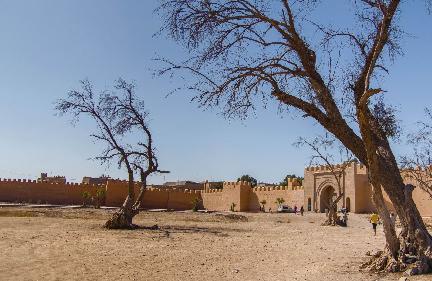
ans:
x=122 y=219
x=386 y=260
x=412 y=250
x=332 y=218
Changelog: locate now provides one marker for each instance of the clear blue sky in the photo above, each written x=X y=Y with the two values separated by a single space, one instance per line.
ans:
x=47 y=46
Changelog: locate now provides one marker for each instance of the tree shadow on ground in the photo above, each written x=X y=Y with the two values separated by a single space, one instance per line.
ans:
x=168 y=230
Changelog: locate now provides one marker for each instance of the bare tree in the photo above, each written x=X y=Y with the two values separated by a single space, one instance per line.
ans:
x=323 y=148
x=418 y=166
x=244 y=51
x=117 y=114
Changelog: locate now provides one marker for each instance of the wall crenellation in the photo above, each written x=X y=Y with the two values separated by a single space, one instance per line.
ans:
x=275 y=188
x=296 y=193
x=325 y=168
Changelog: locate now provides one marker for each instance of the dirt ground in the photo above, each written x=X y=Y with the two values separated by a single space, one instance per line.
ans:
x=56 y=244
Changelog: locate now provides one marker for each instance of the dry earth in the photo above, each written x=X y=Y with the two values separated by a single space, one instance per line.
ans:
x=56 y=244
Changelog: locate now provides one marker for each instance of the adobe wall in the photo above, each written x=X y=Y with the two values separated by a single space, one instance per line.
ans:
x=358 y=191
x=29 y=191
x=355 y=184
x=212 y=200
x=309 y=190
x=247 y=198
x=362 y=190
x=154 y=198
x=320 y=179
x=293 y=196
x=222 y=199
x=420 y=197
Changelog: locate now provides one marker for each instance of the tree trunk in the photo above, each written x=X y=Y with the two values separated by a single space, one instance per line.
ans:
x=122 y=219
x=143 y=188
x=332 y=218
x=386 y=260
x=415 y=242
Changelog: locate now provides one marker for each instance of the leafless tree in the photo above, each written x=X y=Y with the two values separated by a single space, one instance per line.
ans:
x=417 y=167
x=118 y=113
x=244 y=51
x=324 y=149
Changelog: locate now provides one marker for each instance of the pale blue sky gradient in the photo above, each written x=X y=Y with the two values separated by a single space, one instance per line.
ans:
x=47 y=46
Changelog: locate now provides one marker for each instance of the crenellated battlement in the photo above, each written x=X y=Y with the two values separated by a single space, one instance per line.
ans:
x=326 y=168
x=278 y=188
x=234 y=183
x=38 y=183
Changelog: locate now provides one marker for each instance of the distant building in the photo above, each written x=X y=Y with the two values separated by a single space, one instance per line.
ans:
x=100 y=180
x=263 y=184
x=183 y=185
x=56 y=179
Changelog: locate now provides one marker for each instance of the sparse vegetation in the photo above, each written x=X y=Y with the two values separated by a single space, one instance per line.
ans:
x=196 y=203
x=290 y=176
x=248 y=179
x=86 y=196
x=100 y=197
x=279 y=201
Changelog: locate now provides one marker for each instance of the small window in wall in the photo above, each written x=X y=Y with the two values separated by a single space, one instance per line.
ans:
x=309 y=206
x=348 y=204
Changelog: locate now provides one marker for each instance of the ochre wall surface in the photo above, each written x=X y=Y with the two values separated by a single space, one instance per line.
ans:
x=293 y=196
x=154 y=198
x=247 y=198
x=356 y=187
x=354 y=182
x=33 y=192
x=41 y=192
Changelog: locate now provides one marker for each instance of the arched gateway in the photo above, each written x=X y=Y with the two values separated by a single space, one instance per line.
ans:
x=327 y=196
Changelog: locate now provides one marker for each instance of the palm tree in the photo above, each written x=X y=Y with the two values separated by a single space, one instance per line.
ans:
x=279 y=201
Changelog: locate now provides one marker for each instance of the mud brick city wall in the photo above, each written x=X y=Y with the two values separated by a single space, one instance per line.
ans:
x=154 y=198
x=247 y=198
x=17 y=190
x=292 y=196
x=309 y=193
x=356 y=187
x=28 y=191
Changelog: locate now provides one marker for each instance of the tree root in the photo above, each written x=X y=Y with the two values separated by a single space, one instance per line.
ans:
x=337 y=222
x=328 y=223
x=120 y=220
x=422 y=264
x=383 y=262
x=411 y=265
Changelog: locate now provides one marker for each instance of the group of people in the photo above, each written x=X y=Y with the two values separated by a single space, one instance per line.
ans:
x=375 y=220
x=296 y=209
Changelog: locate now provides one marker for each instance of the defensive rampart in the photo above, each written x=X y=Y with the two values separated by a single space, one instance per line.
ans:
x=247 y=198
x=318 y=187
x=28 y=191
x=321 y=186
x=17 y=190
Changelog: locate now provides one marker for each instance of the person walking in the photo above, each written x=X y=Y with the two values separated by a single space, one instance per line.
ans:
x=374 y=219
x=301 y=210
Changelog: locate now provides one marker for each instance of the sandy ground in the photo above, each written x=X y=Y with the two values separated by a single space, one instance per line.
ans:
x=38 y=244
